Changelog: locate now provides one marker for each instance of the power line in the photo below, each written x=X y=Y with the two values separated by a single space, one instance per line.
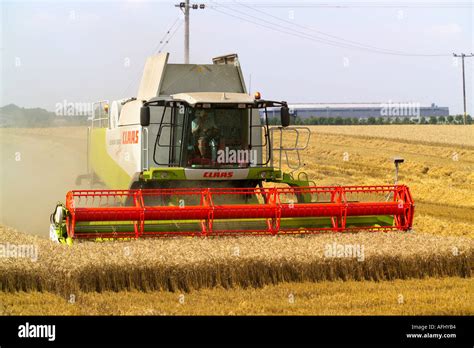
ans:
x=158 y=48
x=296 y=33
x=388 y=51
x=171 y=36
x=349 y=45
x=279 y=29
x=163 y=39
x=358 y=4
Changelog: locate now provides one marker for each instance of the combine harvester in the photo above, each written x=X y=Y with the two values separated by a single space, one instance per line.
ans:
x=193 y=155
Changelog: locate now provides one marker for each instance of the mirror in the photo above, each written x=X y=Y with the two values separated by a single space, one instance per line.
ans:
x=145 y=116
x=285 y=116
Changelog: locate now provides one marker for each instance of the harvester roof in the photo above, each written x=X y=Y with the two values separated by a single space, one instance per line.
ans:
x=213 y=97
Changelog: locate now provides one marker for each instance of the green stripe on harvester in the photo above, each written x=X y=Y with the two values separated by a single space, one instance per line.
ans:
x=244 y=224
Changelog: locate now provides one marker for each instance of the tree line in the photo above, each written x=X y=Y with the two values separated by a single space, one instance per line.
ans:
x=14 y=116
x=457 y=119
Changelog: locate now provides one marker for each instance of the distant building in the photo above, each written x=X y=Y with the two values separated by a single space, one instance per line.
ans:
x=362 y=110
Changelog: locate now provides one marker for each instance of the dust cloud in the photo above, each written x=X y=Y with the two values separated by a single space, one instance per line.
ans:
x=38 y=167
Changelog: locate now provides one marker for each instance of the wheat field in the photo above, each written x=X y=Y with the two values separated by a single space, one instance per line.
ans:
x=430 y=296
x=250 y=275
x=428 y=134
x=439 y=173
x=187 y=264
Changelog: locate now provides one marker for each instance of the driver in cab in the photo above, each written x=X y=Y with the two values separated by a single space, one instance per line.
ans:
x=204 y=129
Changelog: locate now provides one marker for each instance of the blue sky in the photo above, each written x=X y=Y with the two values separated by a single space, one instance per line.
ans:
x=94 y=50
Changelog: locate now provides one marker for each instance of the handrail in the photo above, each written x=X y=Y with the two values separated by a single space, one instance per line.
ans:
x=145 y=154
x=296 y=148
x=100 y=119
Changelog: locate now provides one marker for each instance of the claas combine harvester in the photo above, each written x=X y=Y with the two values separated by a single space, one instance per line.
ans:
x=193 y=155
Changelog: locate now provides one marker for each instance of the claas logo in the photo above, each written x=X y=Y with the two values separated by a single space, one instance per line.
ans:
x=218 y=174
x=130 y=137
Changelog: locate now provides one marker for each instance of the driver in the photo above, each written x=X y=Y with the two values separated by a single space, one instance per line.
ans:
x=204 y=129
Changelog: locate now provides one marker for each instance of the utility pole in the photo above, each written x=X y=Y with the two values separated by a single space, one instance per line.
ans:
x=186 y=32
x=185 y=7
x=462 y=55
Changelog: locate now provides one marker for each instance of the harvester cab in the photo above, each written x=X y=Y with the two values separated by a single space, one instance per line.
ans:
x=193 y=154
x=212 y=136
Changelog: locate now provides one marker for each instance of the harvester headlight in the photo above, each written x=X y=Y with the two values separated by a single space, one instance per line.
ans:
x=263 y=175
x=164 y=175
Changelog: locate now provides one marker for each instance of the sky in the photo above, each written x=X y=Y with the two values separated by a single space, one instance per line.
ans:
x=60 y=52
